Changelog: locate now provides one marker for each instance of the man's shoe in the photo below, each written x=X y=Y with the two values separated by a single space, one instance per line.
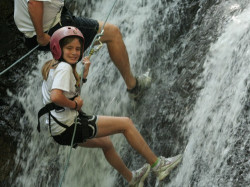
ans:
x=142 y=83
x=166 y=165
x=139 y=176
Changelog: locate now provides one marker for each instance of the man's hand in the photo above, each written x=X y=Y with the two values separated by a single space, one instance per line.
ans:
x=43 y=40
x=36 y=15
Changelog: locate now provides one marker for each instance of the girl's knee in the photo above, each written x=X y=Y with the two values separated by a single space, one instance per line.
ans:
x=129 y=122
x=107 y=143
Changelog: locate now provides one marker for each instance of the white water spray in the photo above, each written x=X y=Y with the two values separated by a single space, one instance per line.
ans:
x=214 y=122
x=210 y=127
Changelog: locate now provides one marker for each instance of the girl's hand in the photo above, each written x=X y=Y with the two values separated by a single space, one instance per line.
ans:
x=86 y=63
x=60 y=99
x=79 y=102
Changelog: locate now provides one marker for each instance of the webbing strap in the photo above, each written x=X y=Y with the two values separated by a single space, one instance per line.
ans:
x=46 y=109
x=59 y=123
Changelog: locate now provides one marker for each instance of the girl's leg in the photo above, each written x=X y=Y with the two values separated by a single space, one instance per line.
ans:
x=112 y=125
x=110 y=154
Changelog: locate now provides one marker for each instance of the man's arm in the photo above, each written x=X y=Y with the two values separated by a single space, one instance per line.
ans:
x=35 y=9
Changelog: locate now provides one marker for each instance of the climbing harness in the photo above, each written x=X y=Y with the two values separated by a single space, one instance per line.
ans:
x=91 y=51
x=47 y=110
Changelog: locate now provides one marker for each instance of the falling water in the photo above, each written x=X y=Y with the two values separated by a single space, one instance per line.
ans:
x=217 y=151
x=198 y=103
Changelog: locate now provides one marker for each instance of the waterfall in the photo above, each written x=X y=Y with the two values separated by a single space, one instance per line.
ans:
x=198 y=104
x=218 y=127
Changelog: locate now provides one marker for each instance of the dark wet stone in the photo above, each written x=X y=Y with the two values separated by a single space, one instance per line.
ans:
x=11 y=49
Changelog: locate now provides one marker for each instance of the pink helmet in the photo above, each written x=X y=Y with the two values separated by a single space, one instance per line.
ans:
x=60 y=34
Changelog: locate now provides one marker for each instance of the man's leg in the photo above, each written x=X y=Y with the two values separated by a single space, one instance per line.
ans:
x=118 y=52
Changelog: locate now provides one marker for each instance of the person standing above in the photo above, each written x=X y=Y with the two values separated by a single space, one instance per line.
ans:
x=36 y=17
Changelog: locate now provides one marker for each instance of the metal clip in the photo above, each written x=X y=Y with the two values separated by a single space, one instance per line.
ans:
x=99 y=46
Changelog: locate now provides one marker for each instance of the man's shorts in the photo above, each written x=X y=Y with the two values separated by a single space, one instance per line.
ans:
x=86 y=129
x=88 y=27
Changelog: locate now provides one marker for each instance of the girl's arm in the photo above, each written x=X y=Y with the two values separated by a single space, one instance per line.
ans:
x=59 y=99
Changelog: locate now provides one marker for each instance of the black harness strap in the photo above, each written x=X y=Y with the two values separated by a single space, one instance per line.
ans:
x=46 y=109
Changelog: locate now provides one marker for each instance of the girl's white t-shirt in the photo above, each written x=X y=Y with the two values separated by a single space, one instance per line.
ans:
x=60 y=78
x=51 y=15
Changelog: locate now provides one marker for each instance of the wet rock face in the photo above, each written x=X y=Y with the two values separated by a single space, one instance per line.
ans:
x=6 y=32
x=11 y=49
x=7 y=145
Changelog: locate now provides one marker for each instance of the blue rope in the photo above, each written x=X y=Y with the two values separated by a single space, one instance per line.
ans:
x=29 y=51
x=19 y=60
x=71 y=146
x=90 y=52
x=27 y=54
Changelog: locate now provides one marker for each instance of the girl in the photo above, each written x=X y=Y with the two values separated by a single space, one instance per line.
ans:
x=59 y=88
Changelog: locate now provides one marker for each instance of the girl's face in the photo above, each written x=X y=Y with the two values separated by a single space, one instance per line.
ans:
x=72 y=51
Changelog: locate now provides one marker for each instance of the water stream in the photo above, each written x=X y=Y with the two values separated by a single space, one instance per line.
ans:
x=198 y=55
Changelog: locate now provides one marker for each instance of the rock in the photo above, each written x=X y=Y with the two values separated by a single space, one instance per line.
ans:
x=11 y=48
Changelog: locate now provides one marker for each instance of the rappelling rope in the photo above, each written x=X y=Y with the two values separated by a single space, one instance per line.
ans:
x=91 y=51
x=91 y=47
x=27 y=54
x=19 y=60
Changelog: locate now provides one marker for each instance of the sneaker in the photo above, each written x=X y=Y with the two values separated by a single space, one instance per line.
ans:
x=139 y=176
x=142 y=83
x=166 y=165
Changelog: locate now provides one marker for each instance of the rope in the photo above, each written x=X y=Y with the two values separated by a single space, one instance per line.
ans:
x=19 y=60
x=91 y=51
x=27 y=54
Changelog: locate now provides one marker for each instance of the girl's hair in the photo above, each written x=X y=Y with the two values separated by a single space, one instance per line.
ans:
x=46 y=68
x=52 y=63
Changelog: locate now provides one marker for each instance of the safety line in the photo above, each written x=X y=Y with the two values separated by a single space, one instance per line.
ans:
x=90 y=52
x=30 y=50
x=19 y=60
x=27 y=54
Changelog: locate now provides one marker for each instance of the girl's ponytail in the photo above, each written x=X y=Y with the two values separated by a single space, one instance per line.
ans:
x=46 y=68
